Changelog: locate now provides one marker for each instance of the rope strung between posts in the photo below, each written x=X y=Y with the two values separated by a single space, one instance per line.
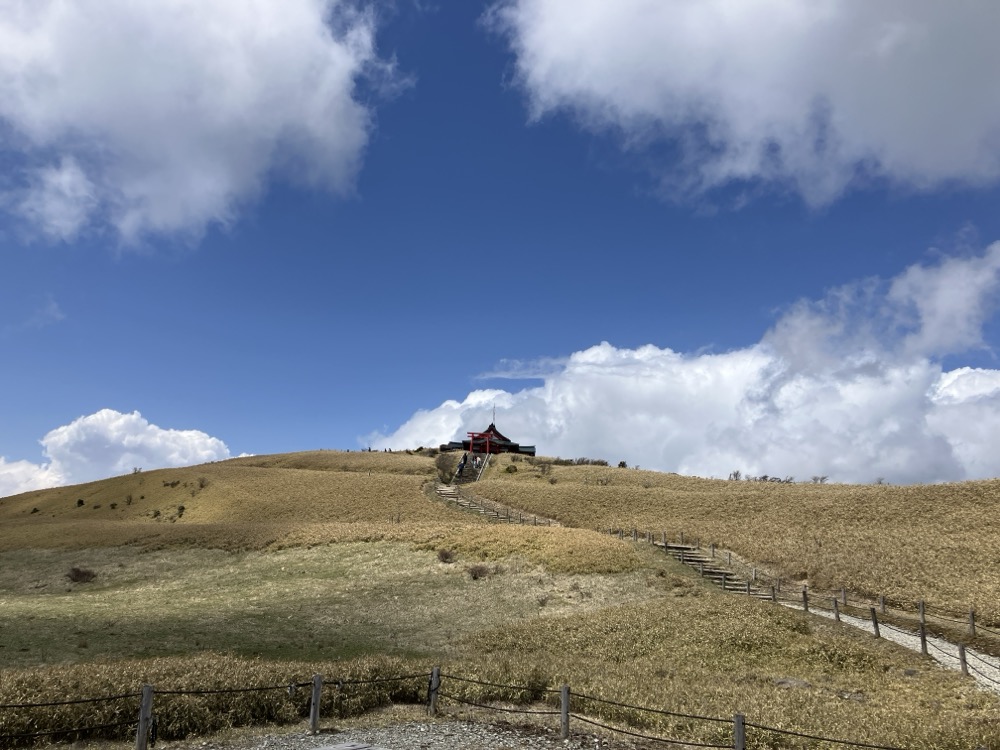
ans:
x=72 y=702
x=981 y=660
x=228 y=690
x=821 y=739
x=984 y=676
x=497 y=708
x=686 y=743
x=525 y=688
x=946 y=619
x=68 y=731
x=653 y=710
x=340 y=683
x=375 y=680
x=901 y=631
x=940 y=650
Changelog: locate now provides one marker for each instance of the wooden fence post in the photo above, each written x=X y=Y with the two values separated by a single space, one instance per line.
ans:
x=621 y=533
x=875 y=623
x=317 y=694
x=729 y=558
x=564 y=712
x=805 y=598
x=972 y=623
x=748 y=588
x=682 y=537
x=881 y=603
x=836 y=609
x=753 y=575
x=432 y=690
x=843 y=595
x=774 y=595
x=145 y=718
x=635 y=534
x=711 y=549
x=663 y=537
x=962 y=661
x=923 y=629
x=739 y=733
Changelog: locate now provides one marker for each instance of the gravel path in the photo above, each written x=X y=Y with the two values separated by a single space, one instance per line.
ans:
x=410 y=735
x=984 y=669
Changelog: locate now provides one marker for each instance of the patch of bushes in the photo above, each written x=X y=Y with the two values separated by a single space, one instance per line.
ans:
x=476 y=572
x=511 y=469
x=446 y=555
x=81 y=575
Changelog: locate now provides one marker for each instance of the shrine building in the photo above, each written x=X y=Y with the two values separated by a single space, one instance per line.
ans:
x=489 y=441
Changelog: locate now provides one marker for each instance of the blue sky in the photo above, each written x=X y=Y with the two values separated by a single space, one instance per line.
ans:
x=695 y=236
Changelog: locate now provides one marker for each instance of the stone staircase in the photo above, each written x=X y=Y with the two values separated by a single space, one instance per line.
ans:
x=713 y=569
x=470 y=473
x=454 y=494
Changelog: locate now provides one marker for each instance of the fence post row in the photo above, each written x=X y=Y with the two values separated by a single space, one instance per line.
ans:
x=145 y=718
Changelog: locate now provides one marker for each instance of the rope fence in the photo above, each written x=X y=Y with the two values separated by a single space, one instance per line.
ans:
x=724 y=564
x=626 y=732
x=145 y=724
x=801 y=735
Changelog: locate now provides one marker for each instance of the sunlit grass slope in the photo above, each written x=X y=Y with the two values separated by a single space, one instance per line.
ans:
x=278 y=566
x=935 y=542
x=246 y=502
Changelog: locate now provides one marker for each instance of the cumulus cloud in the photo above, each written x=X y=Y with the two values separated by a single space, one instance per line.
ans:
x=812 y=97
x=107 y=443
x=850 y=387
x=167 y=117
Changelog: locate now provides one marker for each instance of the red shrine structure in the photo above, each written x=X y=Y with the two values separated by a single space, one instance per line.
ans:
x=489 y=441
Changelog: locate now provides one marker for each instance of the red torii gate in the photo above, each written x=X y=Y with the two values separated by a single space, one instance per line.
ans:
x=480 y=436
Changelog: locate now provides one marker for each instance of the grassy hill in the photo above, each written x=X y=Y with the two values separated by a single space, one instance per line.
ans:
x=266 y=569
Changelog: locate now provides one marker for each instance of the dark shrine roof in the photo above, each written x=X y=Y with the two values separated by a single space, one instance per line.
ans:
x=492 y=430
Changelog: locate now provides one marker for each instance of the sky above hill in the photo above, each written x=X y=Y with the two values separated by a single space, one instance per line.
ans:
x=694 y=236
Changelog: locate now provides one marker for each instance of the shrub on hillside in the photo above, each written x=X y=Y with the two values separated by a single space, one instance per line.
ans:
x=81 y=575
x=478 y=571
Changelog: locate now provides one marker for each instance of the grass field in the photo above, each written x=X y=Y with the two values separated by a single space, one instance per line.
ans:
x=281 y=566
x=934 y=542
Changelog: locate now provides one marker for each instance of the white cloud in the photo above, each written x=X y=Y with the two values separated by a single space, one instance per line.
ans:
x=167 y=117
x=107 y=443
x=850 y=387
x=811 y=96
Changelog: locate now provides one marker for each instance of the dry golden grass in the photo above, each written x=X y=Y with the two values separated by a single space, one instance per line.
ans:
x=184 y=715
x=256 y=501
x=934 y=542
x=327 y=562
x=709 y=654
